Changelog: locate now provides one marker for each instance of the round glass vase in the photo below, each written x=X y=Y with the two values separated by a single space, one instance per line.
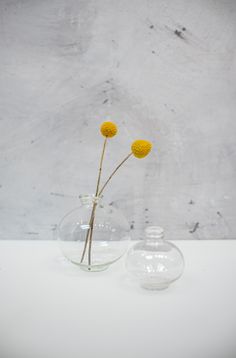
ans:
x=109 y=240
x=155 y=262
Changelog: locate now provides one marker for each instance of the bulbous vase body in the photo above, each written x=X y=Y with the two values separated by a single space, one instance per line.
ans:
x=156 y=263
x=110 y=235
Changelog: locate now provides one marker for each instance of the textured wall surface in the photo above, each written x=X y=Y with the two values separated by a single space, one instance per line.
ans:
x=162 y=70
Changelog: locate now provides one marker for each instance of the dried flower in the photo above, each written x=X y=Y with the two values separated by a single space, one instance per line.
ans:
x=108 y=129
x=141 y=148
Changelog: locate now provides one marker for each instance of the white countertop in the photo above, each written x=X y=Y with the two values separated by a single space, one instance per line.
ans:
x=49 y=308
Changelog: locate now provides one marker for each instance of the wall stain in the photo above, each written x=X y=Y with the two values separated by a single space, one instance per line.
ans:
x=57 y=194
x=196 y=226
x=179 y=33
x=64 y=195
x=222 y=219
x=191 y=202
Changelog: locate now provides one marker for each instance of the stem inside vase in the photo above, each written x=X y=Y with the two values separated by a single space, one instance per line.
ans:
x=89 y=234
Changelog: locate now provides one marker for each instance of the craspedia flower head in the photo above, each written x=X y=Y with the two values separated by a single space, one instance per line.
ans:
x=141 y=148
x=108 y=129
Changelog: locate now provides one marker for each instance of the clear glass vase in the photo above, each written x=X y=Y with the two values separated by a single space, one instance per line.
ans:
x=156 y=263
x=110 y=235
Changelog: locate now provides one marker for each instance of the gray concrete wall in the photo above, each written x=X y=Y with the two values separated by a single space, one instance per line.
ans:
x=162 y=70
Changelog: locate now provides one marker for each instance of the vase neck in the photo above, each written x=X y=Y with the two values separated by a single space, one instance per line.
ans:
x=89 y=199
x=154 y=233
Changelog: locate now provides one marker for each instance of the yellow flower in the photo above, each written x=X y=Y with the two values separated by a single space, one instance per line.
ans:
x=108 y=129
x=141 y=148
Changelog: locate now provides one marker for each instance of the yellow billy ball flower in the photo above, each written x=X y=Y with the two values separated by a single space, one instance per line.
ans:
x=140 y=148
x=108 y=129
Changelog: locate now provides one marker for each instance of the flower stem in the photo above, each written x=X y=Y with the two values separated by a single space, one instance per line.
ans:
x=100 y=166
x=98 y=194
x=87 y=237
x=114 y=171
x=91 y=236
x=91 y=220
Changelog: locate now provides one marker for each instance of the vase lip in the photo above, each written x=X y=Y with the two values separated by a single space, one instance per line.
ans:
x=154 y=232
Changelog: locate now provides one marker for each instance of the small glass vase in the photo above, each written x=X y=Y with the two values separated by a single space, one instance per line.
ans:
x=156 y=263
x=110 y=235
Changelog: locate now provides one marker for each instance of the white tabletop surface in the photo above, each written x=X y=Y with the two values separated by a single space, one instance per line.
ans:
x=51 y=309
